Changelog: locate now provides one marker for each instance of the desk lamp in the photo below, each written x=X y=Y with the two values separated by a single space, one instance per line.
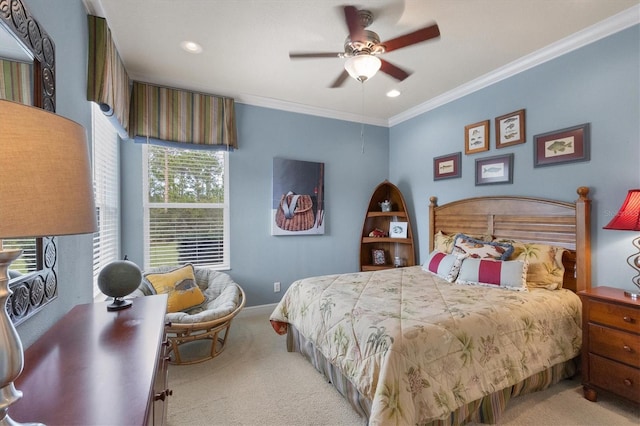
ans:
x=628 y=219
x=45 y=189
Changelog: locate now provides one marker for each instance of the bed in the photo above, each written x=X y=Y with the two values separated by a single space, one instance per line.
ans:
x=411 y=346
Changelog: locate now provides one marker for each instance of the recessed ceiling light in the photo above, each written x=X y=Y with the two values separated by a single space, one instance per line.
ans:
x=191 y=46
x=393 y=93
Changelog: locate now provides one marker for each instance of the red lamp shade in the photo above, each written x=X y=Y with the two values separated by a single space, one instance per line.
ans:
x=628 y=218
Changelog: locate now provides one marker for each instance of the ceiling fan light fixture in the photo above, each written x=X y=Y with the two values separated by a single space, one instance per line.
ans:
x=362 y=67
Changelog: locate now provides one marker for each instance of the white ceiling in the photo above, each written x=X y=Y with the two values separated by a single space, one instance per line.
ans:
x=247 y=43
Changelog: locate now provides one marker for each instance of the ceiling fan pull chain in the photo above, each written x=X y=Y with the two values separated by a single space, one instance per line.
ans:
x=362 y=124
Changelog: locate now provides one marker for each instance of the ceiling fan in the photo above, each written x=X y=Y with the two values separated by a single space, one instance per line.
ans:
x=362 y=48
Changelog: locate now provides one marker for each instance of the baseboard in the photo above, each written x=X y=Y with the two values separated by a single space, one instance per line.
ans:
x=257 y=310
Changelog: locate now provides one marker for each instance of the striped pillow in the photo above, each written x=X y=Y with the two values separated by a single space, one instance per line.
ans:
x=511 y=275
x=443 y=265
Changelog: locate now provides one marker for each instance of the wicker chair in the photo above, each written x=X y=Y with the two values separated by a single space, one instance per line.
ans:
x=210 y=320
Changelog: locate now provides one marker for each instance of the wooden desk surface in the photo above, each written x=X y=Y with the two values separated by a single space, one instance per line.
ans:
x=93 y=366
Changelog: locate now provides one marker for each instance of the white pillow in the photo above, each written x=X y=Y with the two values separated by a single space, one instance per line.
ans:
x=511 y=275
x=443 y=265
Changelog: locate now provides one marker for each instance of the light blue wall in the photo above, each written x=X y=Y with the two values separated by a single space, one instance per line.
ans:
x=66 y=22
x=259 y=259
x=597 y=84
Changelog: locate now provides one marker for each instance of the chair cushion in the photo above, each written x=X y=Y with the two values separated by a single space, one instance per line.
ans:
x=180 y=285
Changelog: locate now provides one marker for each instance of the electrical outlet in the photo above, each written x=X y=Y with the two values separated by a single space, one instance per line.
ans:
x=276 y=287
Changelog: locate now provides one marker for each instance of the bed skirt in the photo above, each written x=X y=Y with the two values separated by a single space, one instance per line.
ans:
x=485 y=410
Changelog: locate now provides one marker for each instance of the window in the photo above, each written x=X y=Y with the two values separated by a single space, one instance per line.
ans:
x=186 y=207
x=106 y=179
x=27 y=262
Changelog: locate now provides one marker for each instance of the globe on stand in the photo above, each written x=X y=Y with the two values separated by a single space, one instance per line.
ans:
x=119 y=279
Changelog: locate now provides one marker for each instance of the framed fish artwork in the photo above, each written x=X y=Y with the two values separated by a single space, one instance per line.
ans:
x=510 y=129
x=476 y=137
x=447 y=166
x=493 y=170
x=562 y=146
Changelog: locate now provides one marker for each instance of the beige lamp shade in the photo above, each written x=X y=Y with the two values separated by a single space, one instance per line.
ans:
x=46 y=184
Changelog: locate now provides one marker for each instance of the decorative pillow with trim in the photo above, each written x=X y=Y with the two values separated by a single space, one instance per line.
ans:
x=444 y=242
x=511 y=275
x=444 y=265
x=180 y=285
x=545 y=263
x=479 y=249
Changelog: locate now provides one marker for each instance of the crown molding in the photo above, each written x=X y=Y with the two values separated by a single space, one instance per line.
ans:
x=309 y=110
x=605 y=28
x=612 y=25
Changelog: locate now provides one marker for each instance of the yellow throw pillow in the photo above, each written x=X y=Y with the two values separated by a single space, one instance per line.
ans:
x=180 y=285
x=545 y=263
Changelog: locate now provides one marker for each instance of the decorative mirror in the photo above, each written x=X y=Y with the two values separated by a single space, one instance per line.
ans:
x=35 y=289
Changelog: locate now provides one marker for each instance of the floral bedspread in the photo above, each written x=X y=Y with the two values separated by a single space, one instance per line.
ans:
x=420 y=347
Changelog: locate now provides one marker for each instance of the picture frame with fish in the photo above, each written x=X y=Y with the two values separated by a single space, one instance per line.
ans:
x=494 y=170
x=398 y=229
x=447 y=166
x=510 y=129
x=562 y=146
x=476 y=137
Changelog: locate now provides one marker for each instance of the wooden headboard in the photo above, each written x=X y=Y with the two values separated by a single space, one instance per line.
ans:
x=526 y=219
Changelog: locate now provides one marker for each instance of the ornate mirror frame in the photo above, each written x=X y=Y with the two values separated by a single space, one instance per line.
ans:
x=31 y=292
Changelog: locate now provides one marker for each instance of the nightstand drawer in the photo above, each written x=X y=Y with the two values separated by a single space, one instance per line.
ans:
x=616 y=377
x=615 y=344
x=617 y=316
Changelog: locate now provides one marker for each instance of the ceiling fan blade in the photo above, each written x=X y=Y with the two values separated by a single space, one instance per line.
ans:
x=394 y=71
x=307 y=55
x=353 y=23
x=340 y=80
x=412 y=38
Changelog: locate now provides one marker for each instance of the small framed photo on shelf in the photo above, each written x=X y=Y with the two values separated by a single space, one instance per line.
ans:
x=561 y=146
x=476 y=137
x=398 y=230
x=447 y=166
x=378 y=257
x=510 y=129
x=492 y=170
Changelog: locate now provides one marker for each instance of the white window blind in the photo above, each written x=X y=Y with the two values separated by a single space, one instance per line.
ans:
x=27 y=262
x=106 y=178
x=186 y=207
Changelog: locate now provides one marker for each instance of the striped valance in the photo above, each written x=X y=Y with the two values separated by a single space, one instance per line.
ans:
x=108 y=83
x=16 y=81
x=160 y=114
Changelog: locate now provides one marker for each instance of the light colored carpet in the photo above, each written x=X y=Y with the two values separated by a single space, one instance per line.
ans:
x=255 y=381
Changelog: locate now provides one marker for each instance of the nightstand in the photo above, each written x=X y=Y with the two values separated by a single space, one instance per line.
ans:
x=610 y=343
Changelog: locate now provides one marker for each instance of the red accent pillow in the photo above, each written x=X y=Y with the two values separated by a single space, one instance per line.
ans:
x=494 y=273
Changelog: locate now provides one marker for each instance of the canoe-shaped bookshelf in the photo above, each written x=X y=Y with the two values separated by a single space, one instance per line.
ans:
x=387 y=236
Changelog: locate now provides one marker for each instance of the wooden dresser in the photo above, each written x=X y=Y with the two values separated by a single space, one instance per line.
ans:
x=98 y=367
x=611 y=343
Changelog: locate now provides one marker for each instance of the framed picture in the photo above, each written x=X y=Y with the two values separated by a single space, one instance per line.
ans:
x=492 y=170
x=510 y=129
x=447 y=166
x=398 y=230
x=378 y=257
x=561 y=146
x=297 y=202
x=476 y=137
